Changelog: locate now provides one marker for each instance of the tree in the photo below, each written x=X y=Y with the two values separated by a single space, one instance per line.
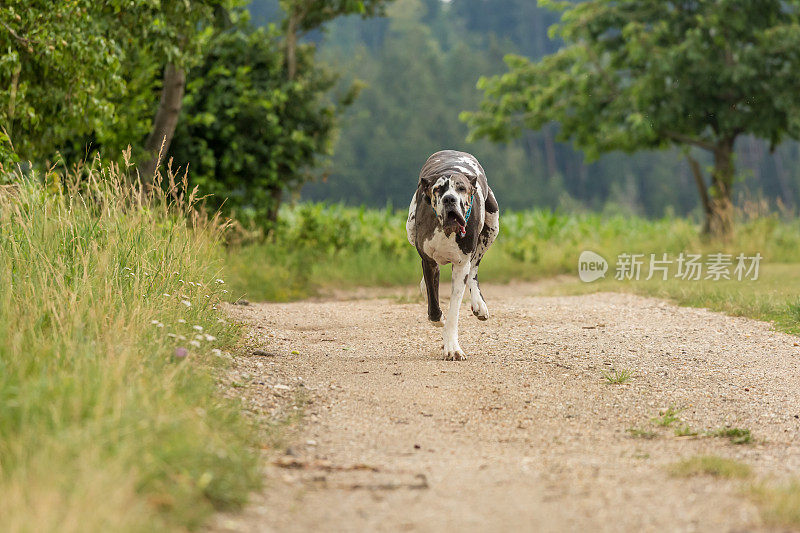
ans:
x=176 y=37
x=57 y=66
x=249 y=132
x=643 y=74
x=264 y=91
x=83 y=69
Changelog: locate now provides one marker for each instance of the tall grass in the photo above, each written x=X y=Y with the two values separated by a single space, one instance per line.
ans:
x=109 y=417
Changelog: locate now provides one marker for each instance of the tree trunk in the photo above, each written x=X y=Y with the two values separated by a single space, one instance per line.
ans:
x=275 y=196
x=291 y=46
x=166 y=119
x=702 y=189
x=720 y=223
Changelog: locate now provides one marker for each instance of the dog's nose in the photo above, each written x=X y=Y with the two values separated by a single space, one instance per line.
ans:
x=449 y=200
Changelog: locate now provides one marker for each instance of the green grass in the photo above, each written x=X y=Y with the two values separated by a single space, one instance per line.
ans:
x=667 y=417
x=735 y=435
x=616 y=377
x=710 y=465
x=102 y=427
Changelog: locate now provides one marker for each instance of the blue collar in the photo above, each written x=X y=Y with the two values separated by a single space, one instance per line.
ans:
x=469 y=212
x=466 y=217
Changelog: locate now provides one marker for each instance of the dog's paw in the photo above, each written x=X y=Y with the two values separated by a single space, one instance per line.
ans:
x=438 y=323
x=454 y=352
x=480 y=310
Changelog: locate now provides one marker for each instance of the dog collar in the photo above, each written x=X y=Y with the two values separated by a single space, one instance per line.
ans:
x=466 y=217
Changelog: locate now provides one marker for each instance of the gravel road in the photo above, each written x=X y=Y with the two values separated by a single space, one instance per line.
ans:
x=526 y=435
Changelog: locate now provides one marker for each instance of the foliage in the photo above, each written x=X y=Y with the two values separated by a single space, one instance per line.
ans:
x=648 y=74
x=102 y=426
x=312 y=14
x=246 y=130
x=78 y=69
x=55 y=61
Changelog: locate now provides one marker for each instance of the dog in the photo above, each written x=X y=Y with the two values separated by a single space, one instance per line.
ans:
x=453 y=218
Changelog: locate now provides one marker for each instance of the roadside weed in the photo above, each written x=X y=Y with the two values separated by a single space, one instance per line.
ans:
x=616 y=377
x=711 y=465
x=667 y=417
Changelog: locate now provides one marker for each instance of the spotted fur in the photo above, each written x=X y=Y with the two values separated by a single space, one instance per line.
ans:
x=447 y=182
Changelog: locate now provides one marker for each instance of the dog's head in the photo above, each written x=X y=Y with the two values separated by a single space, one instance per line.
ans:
x=451 y=196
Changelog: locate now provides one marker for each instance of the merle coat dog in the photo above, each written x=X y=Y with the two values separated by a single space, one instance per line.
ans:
x=453 y=218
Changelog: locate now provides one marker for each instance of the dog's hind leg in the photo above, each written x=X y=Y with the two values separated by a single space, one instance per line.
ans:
x=430 y=272
x=452 y=351
x=491 y=227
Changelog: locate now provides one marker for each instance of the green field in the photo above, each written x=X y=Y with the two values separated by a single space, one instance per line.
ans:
x=318 y=247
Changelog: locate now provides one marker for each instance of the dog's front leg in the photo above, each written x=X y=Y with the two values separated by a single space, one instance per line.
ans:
x=430 y=273
x=452 y=351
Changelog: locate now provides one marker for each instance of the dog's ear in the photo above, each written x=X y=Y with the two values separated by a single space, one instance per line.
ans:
x=473 y=180
x=425 y=183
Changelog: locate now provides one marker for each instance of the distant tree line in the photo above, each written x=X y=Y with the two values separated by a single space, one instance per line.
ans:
x=420 y=67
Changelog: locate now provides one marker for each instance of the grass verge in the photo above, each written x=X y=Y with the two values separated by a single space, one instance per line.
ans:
x=109 y=342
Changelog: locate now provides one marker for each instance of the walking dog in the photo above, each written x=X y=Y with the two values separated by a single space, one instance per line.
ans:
x=453 y=218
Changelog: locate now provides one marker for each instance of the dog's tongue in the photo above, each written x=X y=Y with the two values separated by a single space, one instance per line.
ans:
x=462 y=230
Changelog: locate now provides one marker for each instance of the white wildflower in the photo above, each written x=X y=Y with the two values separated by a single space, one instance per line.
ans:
x=187 y=303
x=166 y=294
x=181 y=337
x=219 y=281
x=217 y=352
x=181 y=321
x=210 y=338
x=172 y=336
x=195 y=344
x=197 y=328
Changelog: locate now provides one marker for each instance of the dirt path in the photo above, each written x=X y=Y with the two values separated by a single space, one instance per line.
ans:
x=525 y=435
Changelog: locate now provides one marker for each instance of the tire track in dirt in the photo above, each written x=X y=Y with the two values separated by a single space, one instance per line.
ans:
x=526 y=434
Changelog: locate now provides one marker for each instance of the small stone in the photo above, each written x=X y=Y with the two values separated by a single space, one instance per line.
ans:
x=241 y=301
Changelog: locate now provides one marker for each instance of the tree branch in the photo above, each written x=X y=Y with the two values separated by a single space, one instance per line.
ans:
x=15 y=35
x=687 y=139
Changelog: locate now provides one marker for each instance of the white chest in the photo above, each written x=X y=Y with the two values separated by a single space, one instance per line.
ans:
x=443 y=249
